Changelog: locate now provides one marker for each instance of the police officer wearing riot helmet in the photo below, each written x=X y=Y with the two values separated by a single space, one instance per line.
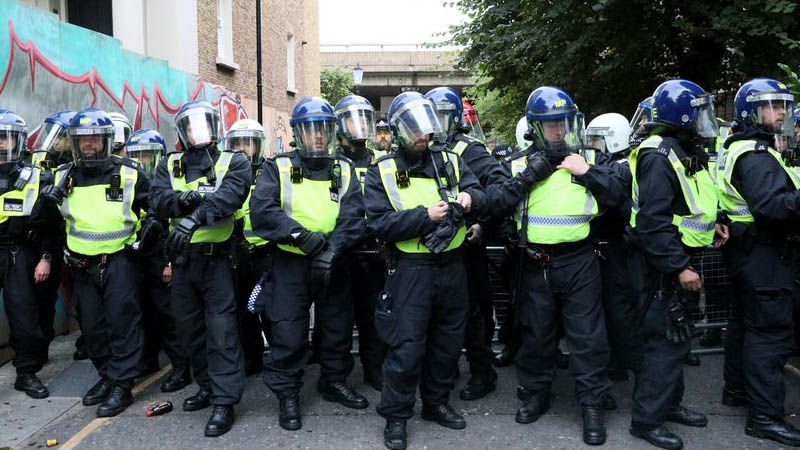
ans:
x=423 y=308
x=147 y=147
x=355 y=126
x=199 y=190
x=643 y=115
x=560 y=192
x=480 y=325
x=122 y=131
x=309 y=202
x=673 y=217
x=761 y=197
x=383 y=136
x=101 y=199
x=28 y=239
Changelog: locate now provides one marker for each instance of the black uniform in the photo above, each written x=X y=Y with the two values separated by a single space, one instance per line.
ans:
x=203 y=291
x=425 y=313
x=293 y=290
x=23 y=241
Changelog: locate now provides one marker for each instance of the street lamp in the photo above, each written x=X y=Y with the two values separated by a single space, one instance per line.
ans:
x=358 y=76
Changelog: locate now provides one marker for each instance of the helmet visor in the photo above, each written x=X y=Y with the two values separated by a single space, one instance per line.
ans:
x=12 y=143
x=416 y=122
x=52 y=138
x=91 y=146
x=595 y=137
x=198 y=128
x=445 y=112
x=148 y=155
x=642 y=116
x=251 y=143
x=315 y=139
x=705 y=124
x=474 y=125
x=356 y=122
x=122 y=131
x=559 y=137
x=774 y=113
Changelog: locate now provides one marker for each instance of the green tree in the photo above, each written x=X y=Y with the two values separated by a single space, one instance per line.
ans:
x=610 y=54
x=335 y=83
x=792 y=81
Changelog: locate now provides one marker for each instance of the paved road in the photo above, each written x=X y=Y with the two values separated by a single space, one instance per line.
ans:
x=28 y=423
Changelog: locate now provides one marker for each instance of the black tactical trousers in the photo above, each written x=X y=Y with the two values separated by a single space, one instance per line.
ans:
x=760 y=333
x=26 y=336
x=204 y=304
x=251 y=326
x=619 y=303
x=480 y=320
x=160 y=331
x=368 y=274
x=46 y=294
x=423 y=325
x=107 y=296
x=288 y=311
x=569 y=285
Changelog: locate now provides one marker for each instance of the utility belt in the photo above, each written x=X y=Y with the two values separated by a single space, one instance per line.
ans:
x=430 y=258
x=257 y=251
x=209 y=249
x=543 y=253
x=79 y=261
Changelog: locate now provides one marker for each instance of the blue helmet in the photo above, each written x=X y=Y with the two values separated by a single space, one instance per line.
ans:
x=555 y=123
x=91 y=133
x=52 y=135
x=764 y=104
x=146 y=146
x=313 y=123
x=413 y=121
x=355 y=118
x=643 y=114
x=198 y=125
x=683 y=105
x=13 y=134
x=448 y=107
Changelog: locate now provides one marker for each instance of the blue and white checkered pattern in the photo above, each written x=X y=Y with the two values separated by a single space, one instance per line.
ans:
x=558 y=221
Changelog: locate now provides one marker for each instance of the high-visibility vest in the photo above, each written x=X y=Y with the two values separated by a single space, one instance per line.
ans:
x=244 y=213
x=220 y=230
x=697 y=227
x=39 y=158
x=310 y=202
x=19 y=203
x=361 y=172
x=731 y=201
x=96 y=222
x=419 y=192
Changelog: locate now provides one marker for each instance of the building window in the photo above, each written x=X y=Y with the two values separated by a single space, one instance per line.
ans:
x=92 y=14
x=290 y=85
x=225 y=35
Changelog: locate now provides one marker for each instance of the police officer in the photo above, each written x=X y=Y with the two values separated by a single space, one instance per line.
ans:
x=609 y=134
x=643 y=115
x=673 y=216
x=480 y=323
x=199 y=190
x=122 y=131
x=100 y=199
x=309 y=202
x=28 y=239
x=355 y=126
x=760 y=194
x=383 y=136
x=147 y=147
x=415 y=200
x=557 y=193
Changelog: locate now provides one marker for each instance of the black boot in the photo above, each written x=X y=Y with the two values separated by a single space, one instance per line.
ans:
x=289 y=416
x=221 y=420
x=609 y=403
x=532 y=408
x=116 y=402
x=691 y=360
x=594 y=428
x=711 y=338
x=765 y=427
x=479 y=386
x=394 y=435
x=505 y=357
x=660 y=436
x=444 y=415
x=339 y=392
x=177 y=380
x=200 y=400
x=97 y=393
x=733 y=396
x=31 y=385
x=679 y=414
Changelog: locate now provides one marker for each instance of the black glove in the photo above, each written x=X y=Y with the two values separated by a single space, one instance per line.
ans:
x=54 y=194
x=179 y=238
x=149 y=234
x=437 y=240
x=189 y=200
x=539 y=168
x=678 y=322
x=321 y=266
x=311 y=243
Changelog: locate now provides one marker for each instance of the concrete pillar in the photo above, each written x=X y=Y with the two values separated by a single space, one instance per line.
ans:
x=128 y=23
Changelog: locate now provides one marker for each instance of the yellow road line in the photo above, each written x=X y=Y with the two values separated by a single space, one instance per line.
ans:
x=75 y=440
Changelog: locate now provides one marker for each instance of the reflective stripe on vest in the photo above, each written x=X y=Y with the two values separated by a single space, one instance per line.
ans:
x=95 y=223
x=699 y=192
x=459 y=148
x=420 y=192
x=220 y=230
x=559 y=210
x=310 y=202
x=731 y=201
x=18 y=203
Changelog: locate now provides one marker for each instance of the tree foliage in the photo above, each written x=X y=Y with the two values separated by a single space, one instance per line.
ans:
x=610 y=54
x=335 y=83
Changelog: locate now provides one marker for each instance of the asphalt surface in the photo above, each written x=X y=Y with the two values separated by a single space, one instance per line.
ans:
x=28 y=423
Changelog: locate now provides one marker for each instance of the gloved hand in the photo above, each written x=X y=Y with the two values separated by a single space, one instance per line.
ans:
x=311 y=243
x=149 y=234
x=54 y=194
x=437 y=240
x=539 y=168
x=322 y=265
x=179 y=238
x=677 y=321
x=189 y=200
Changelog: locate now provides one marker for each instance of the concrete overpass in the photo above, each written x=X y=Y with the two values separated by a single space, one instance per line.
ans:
x=392 y=69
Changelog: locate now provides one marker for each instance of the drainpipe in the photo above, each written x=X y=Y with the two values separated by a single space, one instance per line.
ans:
x=259 y=85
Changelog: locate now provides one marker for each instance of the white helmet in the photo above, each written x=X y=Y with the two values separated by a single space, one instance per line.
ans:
x=608 y=133
x=122 y=129
x=522 y=129
x=247 y=135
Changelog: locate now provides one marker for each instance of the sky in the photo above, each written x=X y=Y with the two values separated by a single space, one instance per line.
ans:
x=384 y=21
